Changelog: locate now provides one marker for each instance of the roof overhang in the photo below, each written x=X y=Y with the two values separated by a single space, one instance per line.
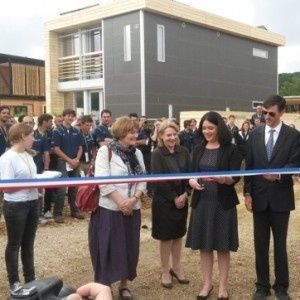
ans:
x=171 y=9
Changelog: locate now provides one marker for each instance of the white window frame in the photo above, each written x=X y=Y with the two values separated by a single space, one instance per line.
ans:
x=127 y=42
x=262 y=53
x=255 y=103
x=161 y=43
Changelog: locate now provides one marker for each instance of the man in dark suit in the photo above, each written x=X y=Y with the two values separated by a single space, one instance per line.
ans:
x=271 y=197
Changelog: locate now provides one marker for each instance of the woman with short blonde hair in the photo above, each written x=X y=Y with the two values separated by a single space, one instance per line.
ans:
x=170 y=205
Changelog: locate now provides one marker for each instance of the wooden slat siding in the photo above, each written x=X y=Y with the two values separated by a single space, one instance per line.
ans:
x=32 y=80
x=18 y=79
x=169 y=8
x=4 y=79
x=42 y=81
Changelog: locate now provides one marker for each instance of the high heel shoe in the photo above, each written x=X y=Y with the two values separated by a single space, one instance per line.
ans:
x=181 y=281
x=167 y=285
x=203 y=297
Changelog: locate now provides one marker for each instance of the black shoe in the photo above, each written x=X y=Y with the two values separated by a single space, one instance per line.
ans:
x=261 y=294
x=282 y=295
x=181 y=281
x=203 y=297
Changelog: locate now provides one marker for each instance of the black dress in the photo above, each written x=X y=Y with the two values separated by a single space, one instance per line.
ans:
x=169 y=222
x=211 y=227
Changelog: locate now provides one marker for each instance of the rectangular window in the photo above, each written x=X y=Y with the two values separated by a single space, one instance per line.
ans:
x=161 y=44
x=70 y=45
x=92 y=41
x=127 y=43
x=260 y=53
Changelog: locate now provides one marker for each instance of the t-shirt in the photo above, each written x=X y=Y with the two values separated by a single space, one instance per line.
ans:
x=40 y=145
x=14 y=165
x=101 y=133
x=68 y=140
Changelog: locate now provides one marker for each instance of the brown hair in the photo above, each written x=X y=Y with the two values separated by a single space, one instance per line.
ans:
x=162 y=128
x=122 y=126
x=17 y=131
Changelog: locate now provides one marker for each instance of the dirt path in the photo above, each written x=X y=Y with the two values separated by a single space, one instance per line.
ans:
x=61 y=250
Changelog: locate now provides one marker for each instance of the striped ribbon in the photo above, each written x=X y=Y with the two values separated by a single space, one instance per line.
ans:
x=63 y=182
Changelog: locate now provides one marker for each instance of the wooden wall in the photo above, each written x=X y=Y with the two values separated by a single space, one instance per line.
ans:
x=28 y=80
x=4 y=79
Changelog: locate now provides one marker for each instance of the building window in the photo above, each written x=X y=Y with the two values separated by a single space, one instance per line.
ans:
x=70 y=45
x=161 y=44
x=256 y=103
x=260 y=53
x=127 y=43
x=92 y=41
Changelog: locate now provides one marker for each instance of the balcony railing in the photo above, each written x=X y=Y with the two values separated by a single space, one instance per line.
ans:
x=86 y=66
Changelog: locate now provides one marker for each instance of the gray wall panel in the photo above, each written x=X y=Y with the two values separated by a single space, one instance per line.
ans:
x=204 y=69
x=122 y=79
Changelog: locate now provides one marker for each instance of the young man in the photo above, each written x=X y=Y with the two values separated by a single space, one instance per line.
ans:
x=88 y=147
x=4 y=116
x=67 y=142
x=186 y=136
x=102 y=134
x=270 y=196
x=233 y=129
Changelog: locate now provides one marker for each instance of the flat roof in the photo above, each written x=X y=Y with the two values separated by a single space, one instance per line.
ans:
x=4 y=58
x=172 y=9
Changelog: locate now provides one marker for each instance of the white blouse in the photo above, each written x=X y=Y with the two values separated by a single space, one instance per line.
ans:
x=15 y=165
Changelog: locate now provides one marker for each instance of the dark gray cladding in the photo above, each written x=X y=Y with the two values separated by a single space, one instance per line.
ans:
x=204 y=69
x=122 y=79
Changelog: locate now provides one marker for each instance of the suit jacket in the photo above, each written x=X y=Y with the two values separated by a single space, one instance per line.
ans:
x=229 y=158
x=278 y=196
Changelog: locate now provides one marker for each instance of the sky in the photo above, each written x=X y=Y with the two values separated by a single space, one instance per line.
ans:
x=22 y=23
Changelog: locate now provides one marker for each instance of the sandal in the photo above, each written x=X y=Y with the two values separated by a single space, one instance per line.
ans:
x=125 y=294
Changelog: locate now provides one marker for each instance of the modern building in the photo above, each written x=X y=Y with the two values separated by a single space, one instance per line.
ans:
x=156 y=58
x=22 y=84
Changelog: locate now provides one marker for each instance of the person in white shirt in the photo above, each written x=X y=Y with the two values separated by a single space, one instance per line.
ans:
x=114 y=231
x=21 y=207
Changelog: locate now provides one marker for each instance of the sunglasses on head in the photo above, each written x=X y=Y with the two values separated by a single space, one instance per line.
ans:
x=271 y=113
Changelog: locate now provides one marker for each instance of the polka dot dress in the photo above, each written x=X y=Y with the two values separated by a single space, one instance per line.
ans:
x=211 y=227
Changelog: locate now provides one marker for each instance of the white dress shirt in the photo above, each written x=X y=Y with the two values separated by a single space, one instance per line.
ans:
x=275 y=134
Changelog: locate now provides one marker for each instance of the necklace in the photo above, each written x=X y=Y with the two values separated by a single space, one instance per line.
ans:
x=26 y=161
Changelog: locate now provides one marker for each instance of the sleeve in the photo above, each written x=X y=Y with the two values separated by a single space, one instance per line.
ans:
x=102 y=168
x=45 y=143
x=163 y=188
x=235 y=162
x=7 y=170
x=99 y=134
x=56 y=138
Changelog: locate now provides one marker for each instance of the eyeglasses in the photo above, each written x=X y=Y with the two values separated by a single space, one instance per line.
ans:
x=271 y=113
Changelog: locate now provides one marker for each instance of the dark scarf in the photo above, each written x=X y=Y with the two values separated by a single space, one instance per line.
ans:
x=128 y=157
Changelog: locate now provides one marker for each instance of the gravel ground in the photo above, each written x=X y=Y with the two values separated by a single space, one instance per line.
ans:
x=61 y=250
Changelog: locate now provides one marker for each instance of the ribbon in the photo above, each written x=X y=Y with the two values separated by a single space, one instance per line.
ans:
x=77 y=181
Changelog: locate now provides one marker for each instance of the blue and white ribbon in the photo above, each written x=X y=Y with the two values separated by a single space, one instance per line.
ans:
x=64 y=182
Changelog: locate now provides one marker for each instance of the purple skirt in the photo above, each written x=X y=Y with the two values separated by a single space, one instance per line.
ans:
x=114 y=242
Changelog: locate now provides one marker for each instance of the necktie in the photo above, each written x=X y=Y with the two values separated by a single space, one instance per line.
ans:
x=270 y=144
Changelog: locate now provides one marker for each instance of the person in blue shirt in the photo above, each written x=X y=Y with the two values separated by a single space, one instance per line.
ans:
x=67 y=142
x=102 y=135
x=4 y=116
x=88 y=147
x=186 y=136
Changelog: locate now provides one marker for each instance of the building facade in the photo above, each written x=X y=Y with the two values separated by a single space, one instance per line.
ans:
x=156 y=58
x=22 y=85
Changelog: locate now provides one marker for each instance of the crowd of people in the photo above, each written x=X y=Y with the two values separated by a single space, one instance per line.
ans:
x=131 y=145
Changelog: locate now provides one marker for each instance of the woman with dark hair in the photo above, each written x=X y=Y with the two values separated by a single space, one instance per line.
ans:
x=21 y=206
x=243 y=137
x=213 y=223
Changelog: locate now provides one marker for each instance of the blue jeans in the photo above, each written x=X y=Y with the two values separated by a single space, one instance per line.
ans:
x=21 y=224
